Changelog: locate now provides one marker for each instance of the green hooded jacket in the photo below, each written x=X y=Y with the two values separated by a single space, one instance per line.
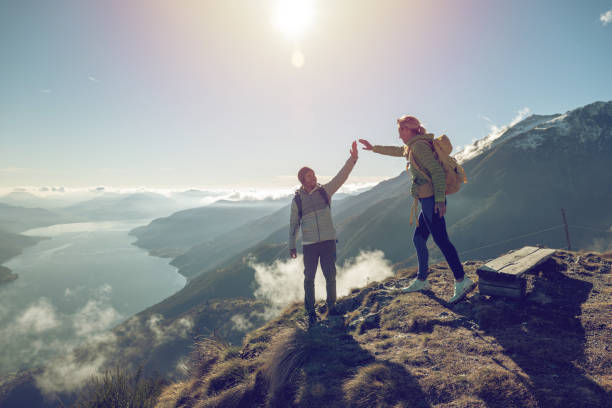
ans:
x=424 y=156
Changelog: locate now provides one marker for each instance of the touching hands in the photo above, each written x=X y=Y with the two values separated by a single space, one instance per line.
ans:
x=366 y=144
x=293 y=253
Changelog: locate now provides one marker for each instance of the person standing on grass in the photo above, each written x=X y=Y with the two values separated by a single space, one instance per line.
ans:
x=311 y=210
x=418 y=147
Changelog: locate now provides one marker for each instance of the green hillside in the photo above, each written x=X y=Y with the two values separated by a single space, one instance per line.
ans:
x=12 y=244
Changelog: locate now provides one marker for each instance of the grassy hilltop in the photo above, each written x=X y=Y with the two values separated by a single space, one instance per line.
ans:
x=414 y=350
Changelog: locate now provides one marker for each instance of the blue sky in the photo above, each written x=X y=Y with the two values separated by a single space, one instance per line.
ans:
x=204 y=94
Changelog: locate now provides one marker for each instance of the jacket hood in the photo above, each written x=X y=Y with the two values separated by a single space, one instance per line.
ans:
x=428 y=137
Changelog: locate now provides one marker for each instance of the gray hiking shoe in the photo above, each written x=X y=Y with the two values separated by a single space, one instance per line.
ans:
x=461 y=289
x=416 y=286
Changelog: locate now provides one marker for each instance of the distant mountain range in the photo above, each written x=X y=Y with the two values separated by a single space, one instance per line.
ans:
x=174 y=235
x=114 y=206
x=14 y=220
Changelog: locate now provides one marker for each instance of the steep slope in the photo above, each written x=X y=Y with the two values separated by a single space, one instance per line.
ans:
x=11 y=244
x=391 y=349
x=173 y=235
x=18 y=219
x=211 y=253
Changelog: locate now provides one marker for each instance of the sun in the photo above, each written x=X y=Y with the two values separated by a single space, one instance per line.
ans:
x=293 y=17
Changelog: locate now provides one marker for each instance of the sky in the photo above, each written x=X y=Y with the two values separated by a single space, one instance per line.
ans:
x=242 y=93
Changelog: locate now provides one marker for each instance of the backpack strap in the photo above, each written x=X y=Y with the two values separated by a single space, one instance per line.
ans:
x=298 y=200
x=414 y=211
x=413 y=162
x=325 y=196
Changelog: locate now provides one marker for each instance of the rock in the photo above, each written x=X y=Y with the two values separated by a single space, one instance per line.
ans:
x=370 y=322
x=6 y=275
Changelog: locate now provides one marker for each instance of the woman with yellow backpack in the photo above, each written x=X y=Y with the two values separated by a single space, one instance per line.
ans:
x=434 y=174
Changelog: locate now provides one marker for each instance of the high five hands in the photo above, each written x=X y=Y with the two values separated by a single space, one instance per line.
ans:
x=366 y=144
x=353 y=151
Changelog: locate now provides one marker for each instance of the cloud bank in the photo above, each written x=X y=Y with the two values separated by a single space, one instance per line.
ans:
x=42 y=334
x=282 y=282
x=606 y=17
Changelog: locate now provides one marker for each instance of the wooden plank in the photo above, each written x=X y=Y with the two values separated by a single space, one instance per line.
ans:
x=528 y=262
x=518 y=262
x=495 y=276
x=511 y=257
x=516 y=283
x=505 y=291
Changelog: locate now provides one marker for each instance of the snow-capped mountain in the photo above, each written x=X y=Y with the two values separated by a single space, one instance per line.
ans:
x=485 y=144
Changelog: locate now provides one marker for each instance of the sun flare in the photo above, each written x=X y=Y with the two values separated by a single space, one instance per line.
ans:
x=293 y=17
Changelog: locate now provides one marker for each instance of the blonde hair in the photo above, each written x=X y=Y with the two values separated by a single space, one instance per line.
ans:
x=411 y=123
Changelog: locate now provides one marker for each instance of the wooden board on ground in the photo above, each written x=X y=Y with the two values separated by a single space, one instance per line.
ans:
x=503 y=276
x=486 y=288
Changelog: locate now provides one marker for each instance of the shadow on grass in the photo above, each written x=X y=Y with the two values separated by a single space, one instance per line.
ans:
x=324 y=366
x=544 y=337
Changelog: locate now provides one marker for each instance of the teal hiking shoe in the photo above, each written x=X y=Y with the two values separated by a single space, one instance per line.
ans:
x=416 y=286
x=461 y=289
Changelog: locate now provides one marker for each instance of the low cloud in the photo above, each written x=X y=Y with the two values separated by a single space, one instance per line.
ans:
x=241 y=323
x=602 y=245
x=162 y=334
x=37 y=318
x=606 y=17
x=101 y=351
x=41 y=335
x=282 y=282
x=95 y=317
x=69 y=373
x=46 y=189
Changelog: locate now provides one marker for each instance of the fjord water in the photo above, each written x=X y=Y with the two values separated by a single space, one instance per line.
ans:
x=74 y=287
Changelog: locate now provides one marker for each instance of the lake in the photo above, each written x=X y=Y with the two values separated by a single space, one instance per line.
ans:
x=76 y=285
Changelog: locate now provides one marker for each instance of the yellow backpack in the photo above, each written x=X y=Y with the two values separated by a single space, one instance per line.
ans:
x=455 y=174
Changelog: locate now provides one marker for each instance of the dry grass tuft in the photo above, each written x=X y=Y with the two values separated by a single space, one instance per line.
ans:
x=286 y=355
x=226 y=375
x=381 y=385
x=205 y=355
x=171 y=395
x=501 y=388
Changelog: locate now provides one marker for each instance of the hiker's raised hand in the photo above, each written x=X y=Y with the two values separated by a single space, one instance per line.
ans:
x=440 y=208
x=353 y=151
x=293 y=253
x=366 y=144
